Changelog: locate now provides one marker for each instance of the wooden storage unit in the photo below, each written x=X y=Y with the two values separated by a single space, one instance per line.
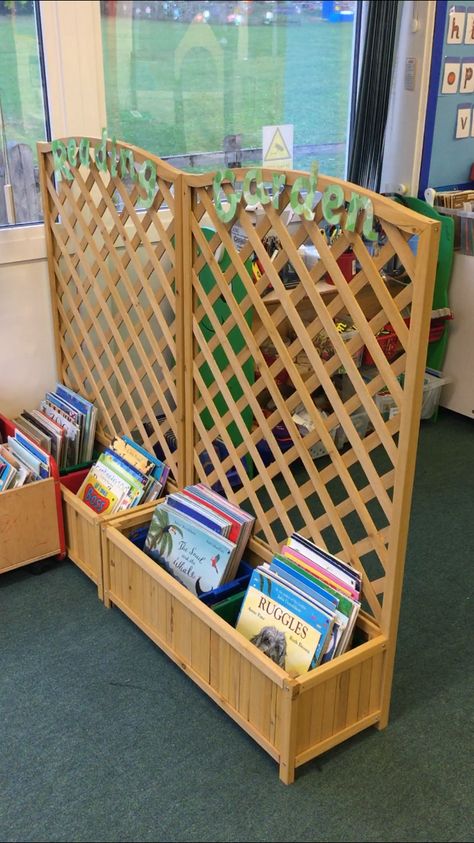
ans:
x=356 y=502
x=292 y=719
x=31 y=524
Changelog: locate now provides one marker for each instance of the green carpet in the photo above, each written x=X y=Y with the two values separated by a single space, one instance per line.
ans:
x=103 y=738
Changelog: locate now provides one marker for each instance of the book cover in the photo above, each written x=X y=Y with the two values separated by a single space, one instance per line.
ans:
x=160 y=470
x=299 y=579
x=321 y=570
x=102 y=490
x=289 y=629
x=303 y=544
x=195 y=510
x=194 y=555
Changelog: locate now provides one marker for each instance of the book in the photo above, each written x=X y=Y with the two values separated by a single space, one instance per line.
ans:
x=313 y=552
x=211 y=520
x=160 y=470
x=326 y=575
x=194 y=555
x=289 y=628
x=103 y=490
x=345 y=608
x=88 y=415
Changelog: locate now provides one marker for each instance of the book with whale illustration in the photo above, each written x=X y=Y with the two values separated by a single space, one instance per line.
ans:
x=200 y=558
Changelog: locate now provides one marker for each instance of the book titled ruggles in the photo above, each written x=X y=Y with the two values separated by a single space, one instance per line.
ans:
x=286 y=626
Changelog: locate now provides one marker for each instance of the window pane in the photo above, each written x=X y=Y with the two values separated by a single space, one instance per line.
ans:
x=22 y=113
x=200 y=80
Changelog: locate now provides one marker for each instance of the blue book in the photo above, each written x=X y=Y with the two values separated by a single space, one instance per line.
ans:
x=38 y=453
x=89 y=411
x=349 y=572
x=161 y=470
x=287 y=627
x=300 y=580
x=196 y=556
x=200 y=514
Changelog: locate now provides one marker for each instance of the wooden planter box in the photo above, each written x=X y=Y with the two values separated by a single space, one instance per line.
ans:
x=31 y=525
x=83 y=529
x=293 y=719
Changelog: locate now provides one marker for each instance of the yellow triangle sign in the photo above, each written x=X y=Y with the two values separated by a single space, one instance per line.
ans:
x=278 y=150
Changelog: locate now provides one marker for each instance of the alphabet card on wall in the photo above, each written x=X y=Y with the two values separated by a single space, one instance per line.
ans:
x=450 y=114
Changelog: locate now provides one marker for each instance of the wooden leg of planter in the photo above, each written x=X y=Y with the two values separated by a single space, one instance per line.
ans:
x=288 y=733
x=105 y=568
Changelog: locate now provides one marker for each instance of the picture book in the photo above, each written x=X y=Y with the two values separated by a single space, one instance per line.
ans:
x=114 y=484
x=301 y=579
x=88 y=412
x=211 y=520
x=346 y=609
x=196 y=556
x=310 y=549
x=290 y=629
x=227 y=507
x=160 y=470
x=321 y=569
x=103 y=490
x=242 y=522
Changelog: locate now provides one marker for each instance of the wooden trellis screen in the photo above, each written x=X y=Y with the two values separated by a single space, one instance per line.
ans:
x=356 y=500
x=143 y=332
x=113 y=275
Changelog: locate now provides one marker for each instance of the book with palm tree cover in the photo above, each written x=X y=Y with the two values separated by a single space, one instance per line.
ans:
x=199 y=558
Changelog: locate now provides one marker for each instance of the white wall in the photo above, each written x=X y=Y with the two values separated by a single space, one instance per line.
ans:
x=27 y=355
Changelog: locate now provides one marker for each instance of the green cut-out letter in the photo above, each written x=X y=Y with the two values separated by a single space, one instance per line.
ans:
x=306 y=184
x=72 y=152
x=357 y=204
x=260 y=195
x=232 y=198
x=59 y=160
x=84 y=149
x=278 y=181
x=148 y=183
x=333 y=197
x=368 y=225
x=113 y=158
x=127 y=164
x=101 y=153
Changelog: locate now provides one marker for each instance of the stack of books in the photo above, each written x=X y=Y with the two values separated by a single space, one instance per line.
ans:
x=300 y=609
x=63 y=425
x=124 y=475
x=22 y=461
x=199 y=537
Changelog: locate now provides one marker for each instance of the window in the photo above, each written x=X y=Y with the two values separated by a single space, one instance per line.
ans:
x=196 y=82
x=23 y=119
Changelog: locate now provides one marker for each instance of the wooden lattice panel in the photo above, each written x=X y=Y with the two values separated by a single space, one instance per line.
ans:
x=356 y=499
x=113 y=268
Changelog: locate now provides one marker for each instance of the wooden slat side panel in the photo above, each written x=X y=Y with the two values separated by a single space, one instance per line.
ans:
x=28 y=524
x=347 y=698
